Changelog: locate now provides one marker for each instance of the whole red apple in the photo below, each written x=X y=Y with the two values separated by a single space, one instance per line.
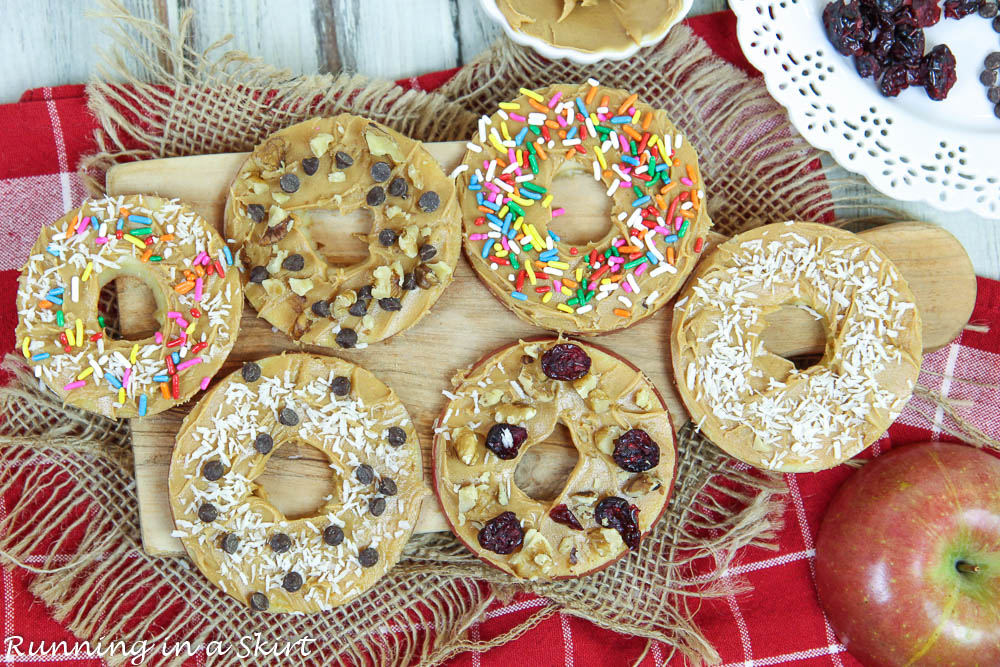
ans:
x=908 y=558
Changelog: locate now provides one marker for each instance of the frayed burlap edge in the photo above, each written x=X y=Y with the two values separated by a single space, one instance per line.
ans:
x=72 y=474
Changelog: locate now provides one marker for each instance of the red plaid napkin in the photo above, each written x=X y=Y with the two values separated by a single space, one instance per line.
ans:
x=43 y=136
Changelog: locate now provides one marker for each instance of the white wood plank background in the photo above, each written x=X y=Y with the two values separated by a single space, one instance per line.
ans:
x=51 y=42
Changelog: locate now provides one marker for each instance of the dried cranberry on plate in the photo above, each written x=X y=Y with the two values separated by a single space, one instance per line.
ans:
x=846 y=27
x=939 y=71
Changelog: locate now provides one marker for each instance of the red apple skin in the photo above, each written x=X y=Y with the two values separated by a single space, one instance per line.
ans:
x=887 y=556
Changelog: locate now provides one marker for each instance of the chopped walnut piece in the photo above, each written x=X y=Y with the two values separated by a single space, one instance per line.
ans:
x=585 y=385
x=605 y=439
x=640 y=485
x=270 y=153
x=467 y=446
x=383 y=282
x=514 y=414
x=605 y=541
x=320 y=143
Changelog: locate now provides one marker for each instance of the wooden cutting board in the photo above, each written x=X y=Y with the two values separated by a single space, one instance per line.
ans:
x=466 y=324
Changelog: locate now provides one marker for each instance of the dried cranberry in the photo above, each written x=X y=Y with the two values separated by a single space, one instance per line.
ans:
x=959 y=9
x=881 y=46
x=895 y=80
x=564 y=515
x=565 y=362
x=939 y=72
x=868 y=66
x=617 y=513
x=505 y=439
x=502 y=534
x=884 y=6
x=908 y=42
x=927 y=12
x=635 y=451
x=846 y=27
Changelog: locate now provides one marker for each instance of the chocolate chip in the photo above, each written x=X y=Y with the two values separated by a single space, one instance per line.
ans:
x=429 y=202
x=310 y=165
x=358 y=308
x=289 y=182
x=343 y=160
x=364 y=473
x=993 y=94
x=381 y=171
x=390 y=303
x=250 y=372
x=996 y=111
x=993 y=61
x=427 y=252
x=387 y=487
x=409 y=281
x=988 y=77
x=341 y=385
x=288 y=417
x=347 y=338
x=230 y=542
x=259 y=274
x=375 y=196
x=208 y=513
x=996 y=24
x=263 y=443
x=280 y=543
x=368 y=557
x=987 y=9
x=333 y=535
x=376 y=506
x=321 y=308
x=213 y=470
x=256 y=212
x=292 y=582
x=365 y=292
x=293 y=263
x=398 y=187
x=387 y=237
x=259 y=601
x=526 y=359
x=396 y=436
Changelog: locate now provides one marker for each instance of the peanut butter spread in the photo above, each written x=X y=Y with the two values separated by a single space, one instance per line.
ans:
x=757 y=406
x=242 y=542
x=178 y=255
x=510 y=401
x=343 y=163
x=591 y=25
x=658 y=210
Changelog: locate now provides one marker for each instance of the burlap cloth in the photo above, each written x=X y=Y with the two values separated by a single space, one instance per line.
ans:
x=179 y=102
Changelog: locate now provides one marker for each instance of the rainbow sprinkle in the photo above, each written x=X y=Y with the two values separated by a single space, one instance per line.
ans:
x=128 y=370
x=664 y=196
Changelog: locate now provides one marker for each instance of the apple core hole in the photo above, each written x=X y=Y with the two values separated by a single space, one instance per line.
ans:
x=804 y=349
x=586 y=205
x=298 y=480
x=545 y=466
x=340 y=239
x=128 y=306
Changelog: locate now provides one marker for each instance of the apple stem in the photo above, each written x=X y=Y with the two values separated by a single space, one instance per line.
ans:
x=965 y=567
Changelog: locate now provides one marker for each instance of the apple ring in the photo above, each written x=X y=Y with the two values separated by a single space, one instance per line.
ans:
x=347 y=163
x=658 y=222
x=170 y=248
x=512 y=400
x=240 y=540
x=757 y=406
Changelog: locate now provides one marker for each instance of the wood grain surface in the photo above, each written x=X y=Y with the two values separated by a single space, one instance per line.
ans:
x=466 y=324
